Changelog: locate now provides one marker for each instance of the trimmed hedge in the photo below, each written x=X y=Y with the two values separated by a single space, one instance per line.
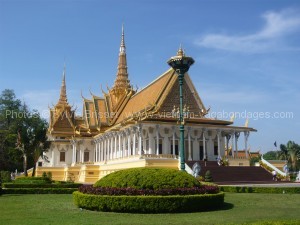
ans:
x=42 y=185
x=39 y=190
x=273 y=190
x=89 y=189
x=149 y=204
x=32 y=180
x=148 y=178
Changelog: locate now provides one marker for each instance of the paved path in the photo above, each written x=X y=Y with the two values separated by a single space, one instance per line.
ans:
x=281 y=184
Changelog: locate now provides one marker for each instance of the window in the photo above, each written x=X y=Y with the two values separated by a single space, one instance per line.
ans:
x=215 y=150
x=160 y=146
x=176 y=147
x=86 y=156
x=62 y=156
x=40 y=164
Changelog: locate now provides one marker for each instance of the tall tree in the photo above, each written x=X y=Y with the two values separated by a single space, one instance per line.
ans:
x=23 y=134
x=9 y=111
x=32 y=137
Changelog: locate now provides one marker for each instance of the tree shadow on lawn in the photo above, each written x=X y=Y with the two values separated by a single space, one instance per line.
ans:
x=226 y=206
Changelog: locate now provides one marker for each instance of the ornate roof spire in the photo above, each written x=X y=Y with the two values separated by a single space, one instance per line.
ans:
x=122 y=46
x=63 y=90
x=122 y=83
x=180 y=51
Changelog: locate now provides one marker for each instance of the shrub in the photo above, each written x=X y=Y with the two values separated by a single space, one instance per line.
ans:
x=273 y=190
x=89 y=189
x=39 y=190
x=49 y=175
x=32 y=180
x=148 y=178
x=43 y=185
x=5 y=176
x=149 y=204
x=208 y=177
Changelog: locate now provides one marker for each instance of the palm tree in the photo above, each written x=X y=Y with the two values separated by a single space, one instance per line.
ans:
x=283 y=152
x=291 y=153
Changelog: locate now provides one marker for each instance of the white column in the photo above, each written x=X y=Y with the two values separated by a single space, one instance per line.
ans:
x=116 y=151
x=189 y=140
x=204 y=146
x=105 y=148
x=52 y=157
x=120 y=154
x=96 y=152
x=111 y=147
x=246 y=135
x=227 y=143
x=219 y=144
x=157 y=139
x=140 y=139
x=173 y=140
x=129 y=143
x=102 y=149
x=99 y=148
x=237 y=134
x=232 y=144
x=134 y=142
x=124 y=145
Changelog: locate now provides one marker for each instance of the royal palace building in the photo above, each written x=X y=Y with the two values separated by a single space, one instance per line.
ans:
x=126 y=128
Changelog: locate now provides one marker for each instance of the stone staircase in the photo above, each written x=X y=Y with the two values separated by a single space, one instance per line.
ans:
x=234 y=174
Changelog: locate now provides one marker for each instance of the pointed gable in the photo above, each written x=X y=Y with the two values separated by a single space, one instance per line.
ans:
x=190 y=97
x=147 y=98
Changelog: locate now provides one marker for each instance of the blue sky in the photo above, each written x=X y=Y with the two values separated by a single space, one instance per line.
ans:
x=247 y=54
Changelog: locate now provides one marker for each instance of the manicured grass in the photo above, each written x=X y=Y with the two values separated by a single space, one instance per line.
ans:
x=240 y=208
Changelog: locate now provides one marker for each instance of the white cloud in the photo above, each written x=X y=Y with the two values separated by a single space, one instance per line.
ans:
x=269 y=38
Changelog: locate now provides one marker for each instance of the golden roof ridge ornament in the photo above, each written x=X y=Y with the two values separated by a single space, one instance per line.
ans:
x=122 y=83
x=122 y=46
x=180 y=51
x=63 y=100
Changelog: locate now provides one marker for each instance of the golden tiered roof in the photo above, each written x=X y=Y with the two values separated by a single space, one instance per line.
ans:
x=122 y=105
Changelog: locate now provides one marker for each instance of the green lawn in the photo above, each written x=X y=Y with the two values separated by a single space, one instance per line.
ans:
x=59 y=209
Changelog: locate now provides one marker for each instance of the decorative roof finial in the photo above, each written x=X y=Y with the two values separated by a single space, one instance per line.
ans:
x=63 y=90
x=122 y=83
x=122 y=46
x=180 y=51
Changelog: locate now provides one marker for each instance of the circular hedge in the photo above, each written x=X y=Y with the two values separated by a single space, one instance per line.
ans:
x=148 y=178
x=149 y=190
x=149 y=204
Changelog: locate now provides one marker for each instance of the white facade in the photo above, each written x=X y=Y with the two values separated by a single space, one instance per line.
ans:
x=147 y=140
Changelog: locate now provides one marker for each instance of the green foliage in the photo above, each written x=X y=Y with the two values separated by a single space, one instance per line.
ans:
x=39 y=190
x=32 y=180
x=148 y=178
x=273 y=190
x=24 y=127
x=44 y=175
x=41 y=185
x=149 y=204
x=49 y=175
x=254 y=160
x=208 y=177
x=5 y=176
x=271 y=155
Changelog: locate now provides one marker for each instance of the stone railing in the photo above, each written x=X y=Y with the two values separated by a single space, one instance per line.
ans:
x=278 y=171
x=160 y=156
